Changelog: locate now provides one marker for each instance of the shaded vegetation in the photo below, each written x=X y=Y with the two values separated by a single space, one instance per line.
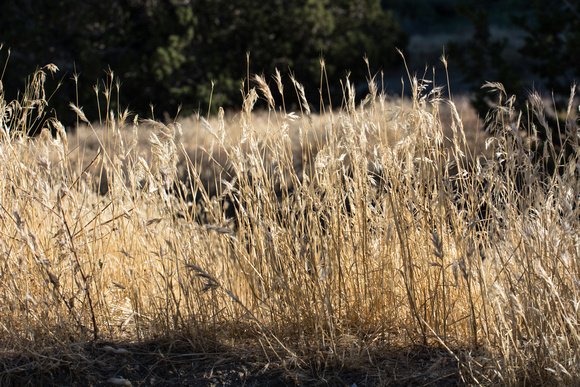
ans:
x=168 y=52
x=541 y=53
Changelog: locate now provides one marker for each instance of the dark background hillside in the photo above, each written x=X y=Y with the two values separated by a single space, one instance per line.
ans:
x=167 y=53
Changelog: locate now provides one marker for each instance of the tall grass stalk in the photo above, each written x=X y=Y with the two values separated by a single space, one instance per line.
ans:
x=363 y=229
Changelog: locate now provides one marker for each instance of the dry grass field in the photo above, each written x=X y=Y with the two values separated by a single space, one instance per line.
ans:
x=389 y=242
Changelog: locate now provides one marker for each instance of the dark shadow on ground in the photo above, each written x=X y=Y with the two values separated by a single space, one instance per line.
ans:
x=180 y=364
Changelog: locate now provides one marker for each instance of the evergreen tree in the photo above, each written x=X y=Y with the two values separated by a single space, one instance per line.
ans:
x=168 y=52
x=550 y=55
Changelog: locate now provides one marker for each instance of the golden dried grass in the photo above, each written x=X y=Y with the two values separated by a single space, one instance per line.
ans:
x=357 y=230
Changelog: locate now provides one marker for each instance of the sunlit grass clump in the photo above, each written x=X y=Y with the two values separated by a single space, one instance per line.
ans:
x=334 y=236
